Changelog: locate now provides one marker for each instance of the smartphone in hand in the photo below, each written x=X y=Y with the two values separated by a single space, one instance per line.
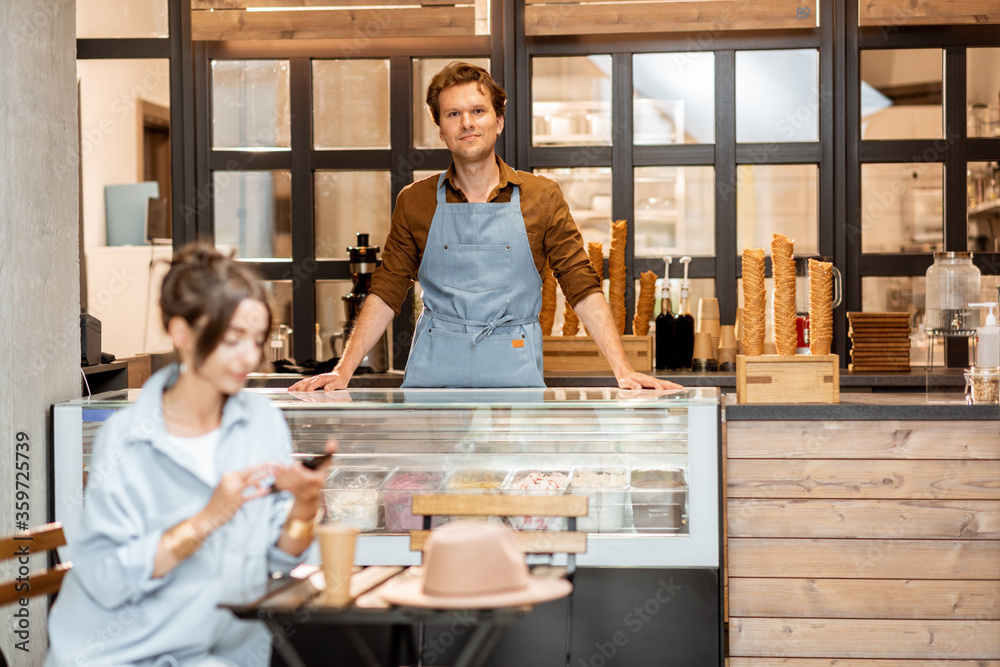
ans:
x=317 y=462
x=313 y=463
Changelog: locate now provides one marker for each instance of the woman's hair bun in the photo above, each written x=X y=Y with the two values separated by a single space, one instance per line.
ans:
x=198 y=255
x=204 y=287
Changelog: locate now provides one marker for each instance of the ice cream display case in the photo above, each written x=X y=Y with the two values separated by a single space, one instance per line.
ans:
x=648 y=462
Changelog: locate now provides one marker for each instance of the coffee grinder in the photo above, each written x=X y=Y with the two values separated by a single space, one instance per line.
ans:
x=363 y=260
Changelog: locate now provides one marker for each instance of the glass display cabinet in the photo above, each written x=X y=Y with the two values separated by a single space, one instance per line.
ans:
x=648 y=463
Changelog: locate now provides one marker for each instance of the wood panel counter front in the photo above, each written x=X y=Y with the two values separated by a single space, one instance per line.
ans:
x=865 y=533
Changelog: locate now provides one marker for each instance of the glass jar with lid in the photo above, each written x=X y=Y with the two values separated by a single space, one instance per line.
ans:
x=952 y=284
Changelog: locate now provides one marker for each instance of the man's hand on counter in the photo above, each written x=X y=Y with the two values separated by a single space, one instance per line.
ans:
x=634 y=380
x=331 y=381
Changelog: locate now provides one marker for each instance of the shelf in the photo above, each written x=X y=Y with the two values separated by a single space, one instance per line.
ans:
x=985 y=208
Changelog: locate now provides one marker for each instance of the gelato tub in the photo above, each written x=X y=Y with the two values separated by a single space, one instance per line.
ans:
x=353 y=496
x=606 y=490
x=397 y=496
x=476 y=481
x=659 y=500
x=538 y=483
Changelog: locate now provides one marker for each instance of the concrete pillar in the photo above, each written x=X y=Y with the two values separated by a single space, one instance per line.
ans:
x=39 y=272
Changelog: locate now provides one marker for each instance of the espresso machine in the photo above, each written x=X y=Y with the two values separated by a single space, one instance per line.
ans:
x=363 y=260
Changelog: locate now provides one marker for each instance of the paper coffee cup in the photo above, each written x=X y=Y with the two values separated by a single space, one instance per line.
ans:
x=702 y=346
x=336 y=548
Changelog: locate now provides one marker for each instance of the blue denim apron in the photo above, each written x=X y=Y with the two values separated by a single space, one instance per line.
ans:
x=481 y=293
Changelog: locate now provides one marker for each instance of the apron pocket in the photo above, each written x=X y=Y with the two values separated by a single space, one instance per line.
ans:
x=440 y=359
x=503 y=360
x=476 y=268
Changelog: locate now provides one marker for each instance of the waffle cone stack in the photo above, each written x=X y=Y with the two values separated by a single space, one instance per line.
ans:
x=595 y=251
x=644 y=306
x=783 y=271
x=571 y=321
x=547 y=315
x=754 y=301
x=820 y=307
x=616 y=273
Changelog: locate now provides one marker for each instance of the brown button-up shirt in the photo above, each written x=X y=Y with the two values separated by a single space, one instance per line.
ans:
x=552 y=233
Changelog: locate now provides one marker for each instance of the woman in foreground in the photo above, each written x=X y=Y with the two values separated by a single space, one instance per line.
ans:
x=179 y=513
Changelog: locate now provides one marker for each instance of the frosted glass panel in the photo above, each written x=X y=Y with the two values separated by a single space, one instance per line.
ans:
x=330 y=316
x=983 y=82
x=779 y=199
x=673 y=98
x=777 y=96
x=901 y=93
x=571 y=101
x=674 y=211
x=348 y=202
x=902 y=207
x=425 y=132
x=250 y=105
x=253 y=212
x=350 y=104
x=588 y=192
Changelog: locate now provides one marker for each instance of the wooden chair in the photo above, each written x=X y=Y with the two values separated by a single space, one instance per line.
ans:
x=569 y=542
x=42 y=582
x=570 y=507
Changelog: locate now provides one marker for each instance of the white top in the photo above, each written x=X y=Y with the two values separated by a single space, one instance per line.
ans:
x=200 y=451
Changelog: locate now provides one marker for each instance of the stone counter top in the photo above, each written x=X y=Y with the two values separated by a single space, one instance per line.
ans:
x=914 y=381
x=868 y=407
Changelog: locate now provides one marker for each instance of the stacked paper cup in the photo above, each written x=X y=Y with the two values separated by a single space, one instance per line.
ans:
x=708 y=322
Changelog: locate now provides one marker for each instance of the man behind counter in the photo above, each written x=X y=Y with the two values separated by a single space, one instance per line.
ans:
x=477 y=237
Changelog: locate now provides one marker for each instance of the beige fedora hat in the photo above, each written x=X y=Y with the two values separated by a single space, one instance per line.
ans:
x=470 y=565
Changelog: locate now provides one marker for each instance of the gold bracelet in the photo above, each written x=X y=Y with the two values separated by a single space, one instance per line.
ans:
x=299 y=529
x=182 y=540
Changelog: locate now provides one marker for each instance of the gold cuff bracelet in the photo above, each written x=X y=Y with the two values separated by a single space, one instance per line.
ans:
x=299 y=529
x=182 y=540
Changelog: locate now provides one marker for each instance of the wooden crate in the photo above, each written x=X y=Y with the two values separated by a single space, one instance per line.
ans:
x=580 y=353
x=801 y=378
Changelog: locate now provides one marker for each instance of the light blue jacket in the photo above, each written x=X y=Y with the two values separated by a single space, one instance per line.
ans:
x=110 y=611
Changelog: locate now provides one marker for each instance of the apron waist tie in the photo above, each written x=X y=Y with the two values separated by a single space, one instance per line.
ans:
x=501 y=319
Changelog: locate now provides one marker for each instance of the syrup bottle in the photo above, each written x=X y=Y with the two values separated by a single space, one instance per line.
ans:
x=665 y=323
x=684 y=324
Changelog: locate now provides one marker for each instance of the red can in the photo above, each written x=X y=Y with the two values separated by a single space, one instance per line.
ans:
x=802 y=334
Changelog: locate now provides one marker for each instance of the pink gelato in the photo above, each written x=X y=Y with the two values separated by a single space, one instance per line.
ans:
x=539 y=483
x=398 y=495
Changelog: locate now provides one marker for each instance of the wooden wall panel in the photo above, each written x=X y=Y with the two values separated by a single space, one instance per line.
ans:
x=864 y=638
x=863 y=543
x=360 y=23
x=840 y=662
x=608 y=16
x=864 y=559
x=886 y=519
x=865 y=598
x=864 y=440
x=243 y=4
x=884 y=13
x=770 y=478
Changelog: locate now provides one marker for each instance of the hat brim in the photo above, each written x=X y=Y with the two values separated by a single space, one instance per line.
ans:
x=406 y=592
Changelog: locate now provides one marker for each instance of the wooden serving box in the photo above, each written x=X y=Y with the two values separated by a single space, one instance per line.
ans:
x=580 y=353
x=802 y=378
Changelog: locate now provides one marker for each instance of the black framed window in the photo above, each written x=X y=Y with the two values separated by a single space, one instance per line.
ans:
x=917 y=145
x=305 y=151
x=775 y=134
x=694 y=137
